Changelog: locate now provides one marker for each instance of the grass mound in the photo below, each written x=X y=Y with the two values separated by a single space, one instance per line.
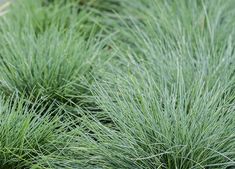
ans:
x=159 y=75
x=25 y=134
x=48 y=57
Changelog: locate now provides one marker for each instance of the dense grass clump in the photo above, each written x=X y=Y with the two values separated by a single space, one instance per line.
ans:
x=131 y=84
x=47 y=58
x=170 y=96
x=26 y=134
x=165 y=126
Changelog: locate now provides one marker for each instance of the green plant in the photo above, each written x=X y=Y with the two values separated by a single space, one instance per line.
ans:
x=48 y=58
x=163 y=126
x=170 y=93
x=159 y=73
x=26 y=133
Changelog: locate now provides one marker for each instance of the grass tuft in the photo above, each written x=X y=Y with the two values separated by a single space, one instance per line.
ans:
x=26 y=134
x=47 y=58
x=159 y=75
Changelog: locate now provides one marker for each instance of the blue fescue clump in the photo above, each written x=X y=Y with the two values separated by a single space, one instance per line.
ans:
x=117 y=84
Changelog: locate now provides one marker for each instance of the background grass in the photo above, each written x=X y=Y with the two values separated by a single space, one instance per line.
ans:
x=49 y=56
x=117 y=84
x=26 y=134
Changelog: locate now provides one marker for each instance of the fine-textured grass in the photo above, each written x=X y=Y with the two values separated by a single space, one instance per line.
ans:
x=165 y=126
x=171 y=103
x=26 y=134
x=49 y=57
x=159 y=73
